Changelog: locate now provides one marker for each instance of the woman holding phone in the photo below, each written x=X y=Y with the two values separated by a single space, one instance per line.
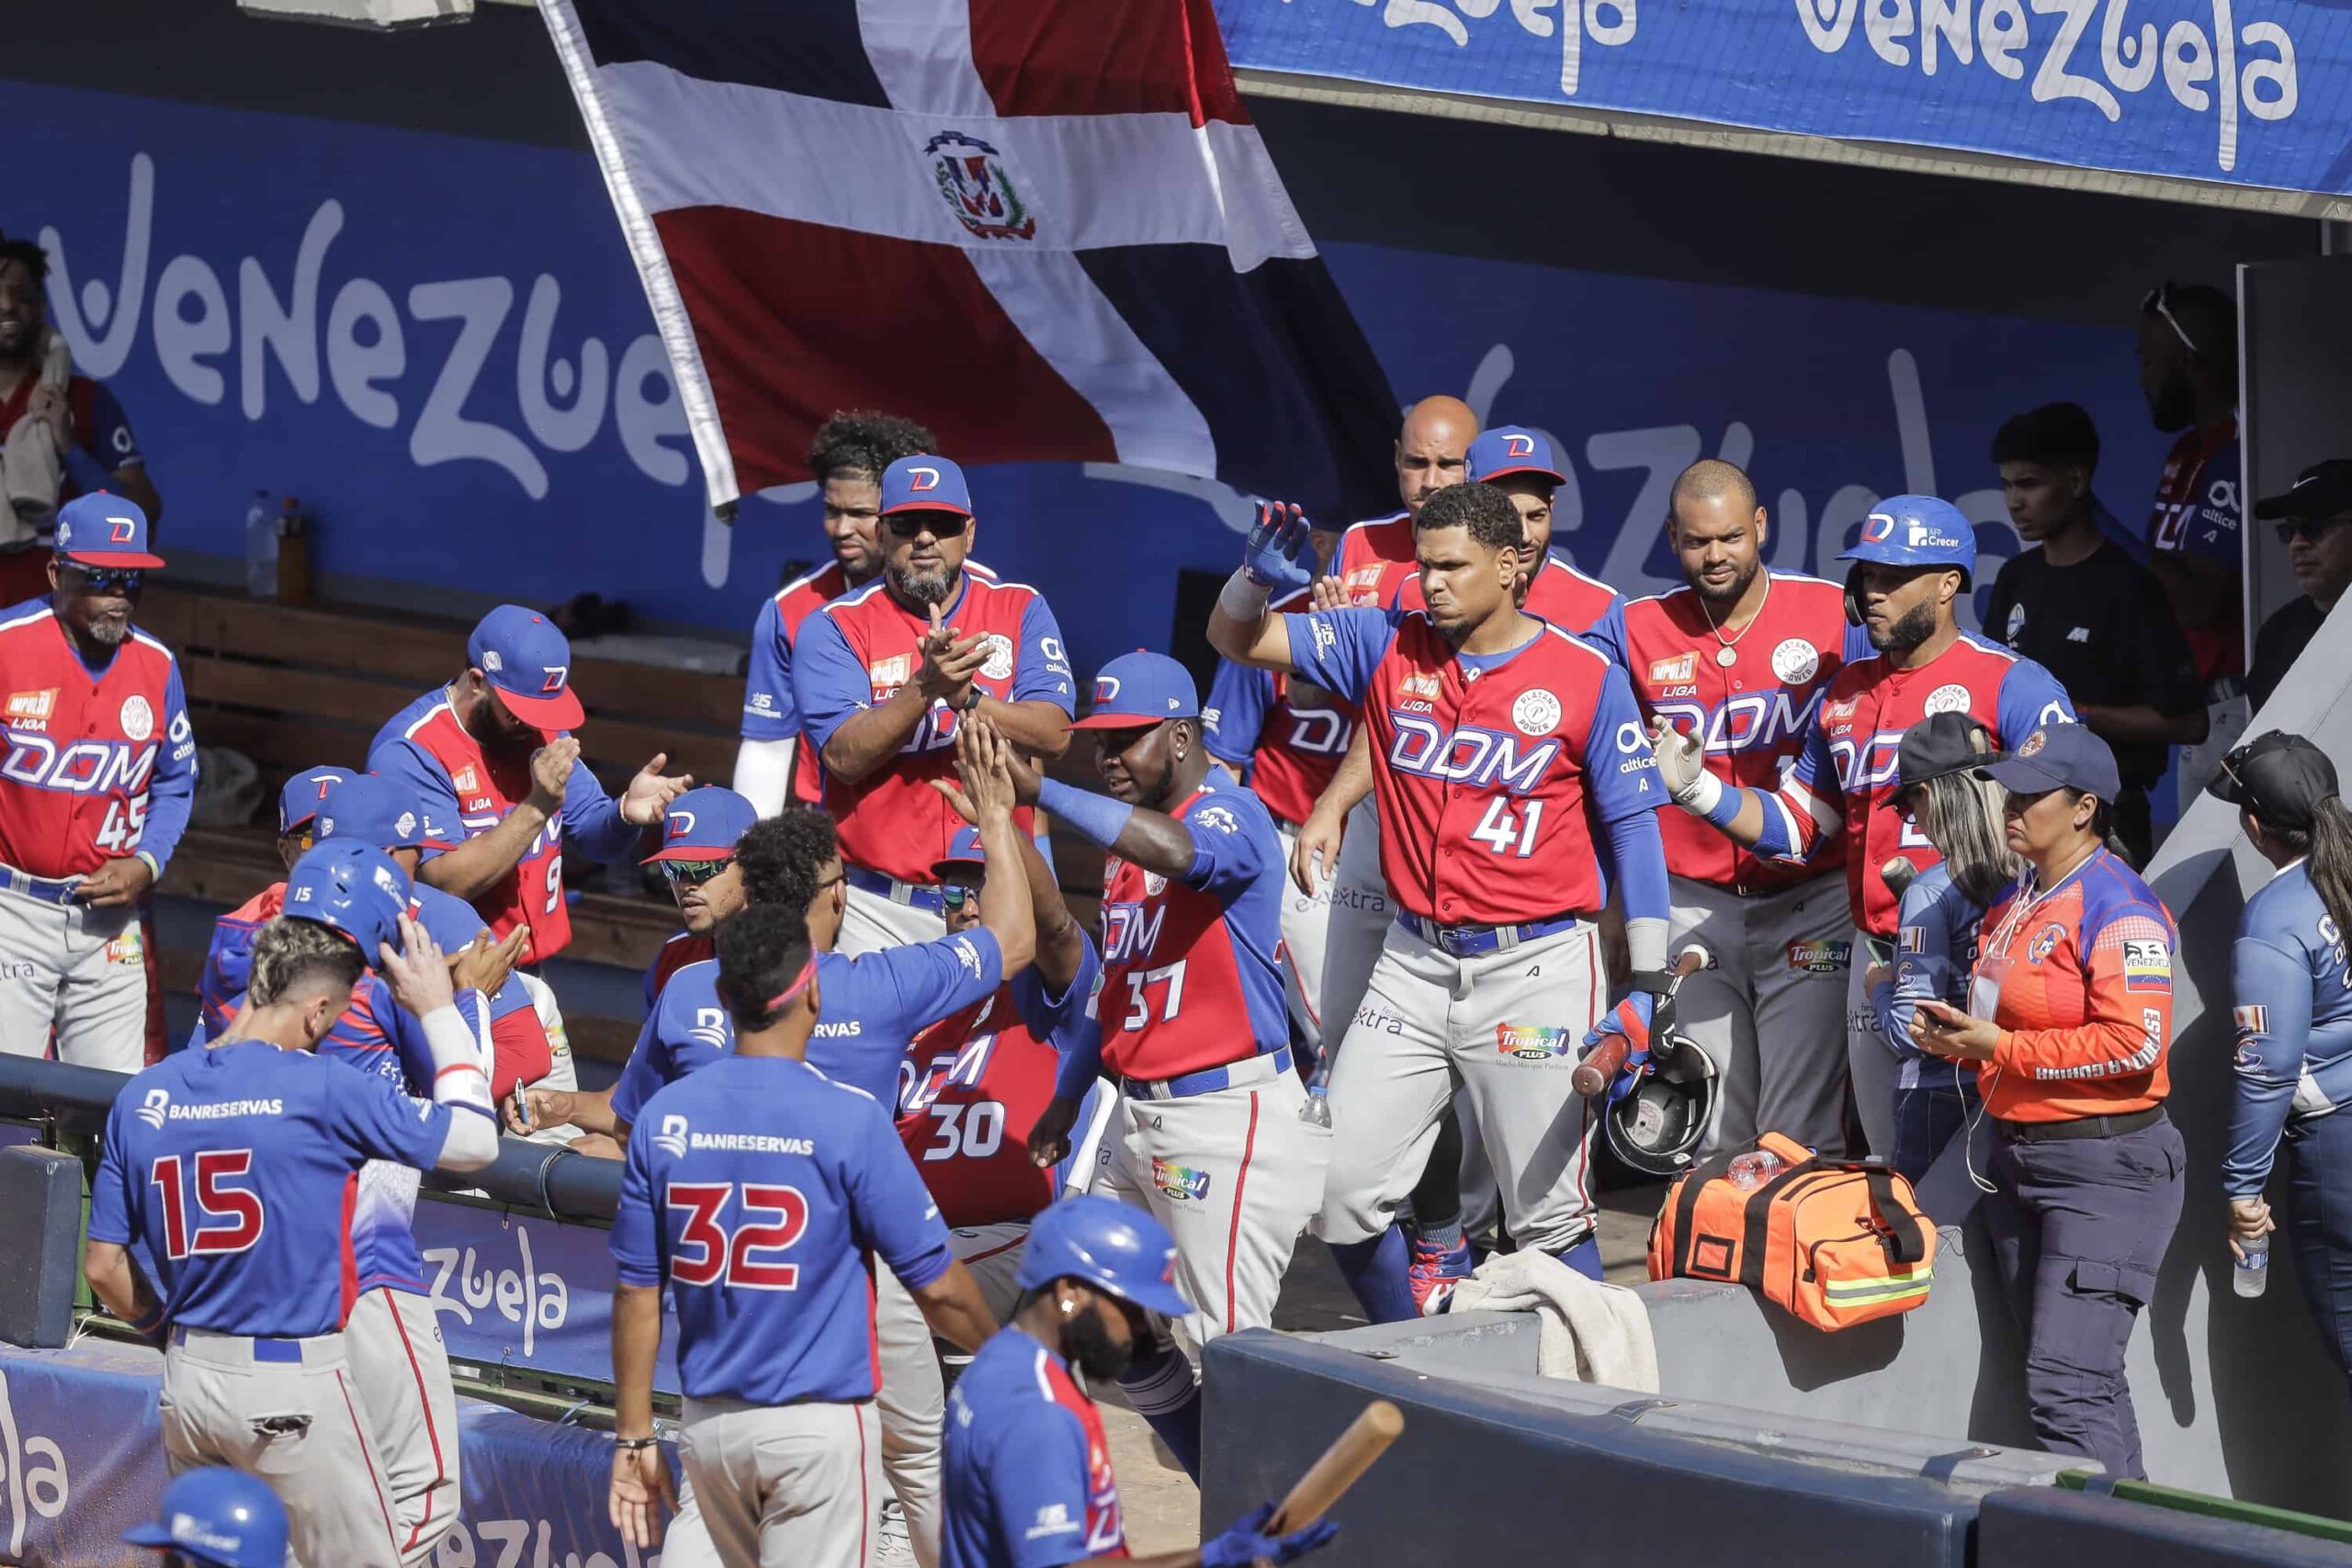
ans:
x=2068 y=1023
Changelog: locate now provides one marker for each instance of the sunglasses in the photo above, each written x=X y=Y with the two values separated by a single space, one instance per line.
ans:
x=2159 y=304
x=108 y=579
x=2313 y=529
x=938 y=525
x=693 y=873
x=954 y=898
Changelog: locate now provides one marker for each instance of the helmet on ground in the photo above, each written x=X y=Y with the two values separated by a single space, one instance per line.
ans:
x=1114 y=1247
x=222 y=1517
x=1656 y=1126
x=352 y=887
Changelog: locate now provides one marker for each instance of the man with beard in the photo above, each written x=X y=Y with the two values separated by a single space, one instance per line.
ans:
x=101 y=773
x=884 y=676
x=88 y=436
x=493 y=753
x=1737 y=660
x=1029 y=1481
x=2189 y=372
x=1912 y=564
x=848 y=455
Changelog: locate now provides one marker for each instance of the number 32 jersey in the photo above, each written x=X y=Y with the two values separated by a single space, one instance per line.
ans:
x=1496 y=774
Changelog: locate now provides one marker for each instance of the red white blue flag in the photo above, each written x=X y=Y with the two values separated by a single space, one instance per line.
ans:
x=1045 y=229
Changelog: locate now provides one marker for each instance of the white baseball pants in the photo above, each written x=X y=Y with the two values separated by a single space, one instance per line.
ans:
x=779 y=1486
x=393 y=1345
x=1876 y=1071
x=1357 y=922
x=1507 y=1028
x=1306 y=917
x=78 y=971
x=872 y=922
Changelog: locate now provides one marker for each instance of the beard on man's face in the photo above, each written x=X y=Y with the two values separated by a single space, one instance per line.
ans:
x=923 y=587
x=1914 y=627
x=1088 y=1346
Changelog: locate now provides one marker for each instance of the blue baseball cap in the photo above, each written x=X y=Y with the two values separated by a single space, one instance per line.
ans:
x=105 y=530
x=2057 y=755
x=1116 y=1247
x=1141 y=688
x=219 y=1516
x=964 y=852
x=702 y=824
x=925 y=483
x=529 y=663
x=353 y=887
x=371 y=809
x=1510 y=449
x=1916 y=531
x=298 y=801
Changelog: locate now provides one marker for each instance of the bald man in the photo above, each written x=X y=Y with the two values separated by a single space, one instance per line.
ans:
x=1739 y=656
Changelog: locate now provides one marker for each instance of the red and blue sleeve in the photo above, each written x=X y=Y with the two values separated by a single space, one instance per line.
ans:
x=376 y=1121
x=593 y=819
x=925 y=981
x=1076 y=1037
x=1607 y=633
x=1039 y=1487
x=1043 y=672
x=646 y=1071
x=2215 y=516
x=828 y=683
x=171 y=790
x=636 y=1239
x=1233 y=842
x=407 y=764
x=1622 y=791
x=1235 y=718
x=2030 y=698
x=1338 y=649
x=768 y=710
x=106 y=435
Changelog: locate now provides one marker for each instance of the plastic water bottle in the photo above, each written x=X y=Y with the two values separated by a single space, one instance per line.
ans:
x=1753 y=1170
x=261 y=548
x=1316 y=1112
x=2252 y=1276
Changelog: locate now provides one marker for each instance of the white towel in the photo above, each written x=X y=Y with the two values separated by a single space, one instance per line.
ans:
x=1591 y=1332
x=31 y=468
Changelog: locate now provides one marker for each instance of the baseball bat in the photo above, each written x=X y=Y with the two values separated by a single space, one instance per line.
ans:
x=1897 y=873
x=1350 y=1455
x=1597 y=1070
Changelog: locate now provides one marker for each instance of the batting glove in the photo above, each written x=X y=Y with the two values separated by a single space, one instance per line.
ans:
x=1246 y=1543
x=1280 y=554
x=1632 y=1018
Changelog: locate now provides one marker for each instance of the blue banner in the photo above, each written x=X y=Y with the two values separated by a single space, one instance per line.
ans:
x=514 y=1289
x=440 y=347
x=2245 y=91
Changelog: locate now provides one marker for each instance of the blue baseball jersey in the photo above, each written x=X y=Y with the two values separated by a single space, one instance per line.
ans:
x=1027 y=1478
x=761 y=1191
x=239 y=1166
x=1935 y=948
x=2291 y=991
x=869 y=1009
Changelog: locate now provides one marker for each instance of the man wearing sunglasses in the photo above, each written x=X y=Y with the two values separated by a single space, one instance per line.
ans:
x=2189 y=373
x=885 y=676
x=101 y=771
x=2315 y=522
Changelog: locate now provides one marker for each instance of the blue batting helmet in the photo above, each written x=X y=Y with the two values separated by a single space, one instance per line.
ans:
x=1917 y=531
x=1114 y=1247
x=352 y=887
x=222 y=1517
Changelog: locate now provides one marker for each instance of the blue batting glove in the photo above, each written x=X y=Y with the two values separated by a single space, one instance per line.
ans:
x=1630 y=1018
x=1246 y=1543
x=1280 y=554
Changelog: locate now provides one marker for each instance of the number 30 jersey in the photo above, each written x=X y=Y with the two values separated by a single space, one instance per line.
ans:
x=98 y=763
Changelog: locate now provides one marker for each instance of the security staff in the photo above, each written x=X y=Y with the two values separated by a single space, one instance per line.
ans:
x=2069 y=1020
x=2292 y=996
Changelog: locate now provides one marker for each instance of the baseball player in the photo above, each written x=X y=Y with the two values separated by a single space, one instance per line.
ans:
x=972 y=1085
x=236 y=1166
x=1189 y=1020
x=101 y=770
x=1513 y=785
x=228 y=960
x=1029 y=1479
x=215 y=1517
x=884 y=675
x=699 y=831
x=492 y=753
x=846 y=458
x=760 y=1191
x=877 y=1002
x=1912 y=560
x=1738 y=659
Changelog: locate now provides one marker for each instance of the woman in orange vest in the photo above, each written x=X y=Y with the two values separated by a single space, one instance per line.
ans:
x=2068 y=1022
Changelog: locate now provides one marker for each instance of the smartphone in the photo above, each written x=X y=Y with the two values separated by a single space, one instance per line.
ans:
x=1881 y=950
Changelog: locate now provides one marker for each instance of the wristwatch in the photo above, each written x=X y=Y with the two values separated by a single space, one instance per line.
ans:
x=972 y=695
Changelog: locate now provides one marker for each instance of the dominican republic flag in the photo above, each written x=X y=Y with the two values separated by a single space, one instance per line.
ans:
x=1045 y=229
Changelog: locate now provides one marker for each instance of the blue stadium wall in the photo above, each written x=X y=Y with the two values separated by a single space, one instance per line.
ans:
x=381 y=272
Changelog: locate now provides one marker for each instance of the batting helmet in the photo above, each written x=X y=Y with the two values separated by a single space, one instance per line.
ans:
x=1917 y=531
x=222 y=1517
x=352 y=887
x=1114 y=1247
x=1656 y=1127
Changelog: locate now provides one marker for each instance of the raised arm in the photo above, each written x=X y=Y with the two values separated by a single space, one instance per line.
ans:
x=472 y=867
x=1276 y=560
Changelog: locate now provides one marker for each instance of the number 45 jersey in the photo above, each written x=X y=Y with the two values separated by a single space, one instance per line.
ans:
x=89 y=752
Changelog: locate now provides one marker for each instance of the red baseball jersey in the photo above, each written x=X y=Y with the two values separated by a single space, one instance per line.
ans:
x=770 y=712
x=1562 y=595
x=681 y=950
x=1374 y=557
x=1844 y=777
x=855 y=653
x=1496 y=774
x=1751 y=714
x=1288 y=733
x=100 y=763
x=971 y=1086
x=1190 y=979
x=2200 y=512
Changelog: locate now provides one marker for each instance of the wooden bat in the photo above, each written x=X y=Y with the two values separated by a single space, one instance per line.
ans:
x=1342 y=1464
x=1600 y=1070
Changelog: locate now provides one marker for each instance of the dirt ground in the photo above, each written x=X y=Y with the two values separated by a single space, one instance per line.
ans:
x=1163 y=1507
